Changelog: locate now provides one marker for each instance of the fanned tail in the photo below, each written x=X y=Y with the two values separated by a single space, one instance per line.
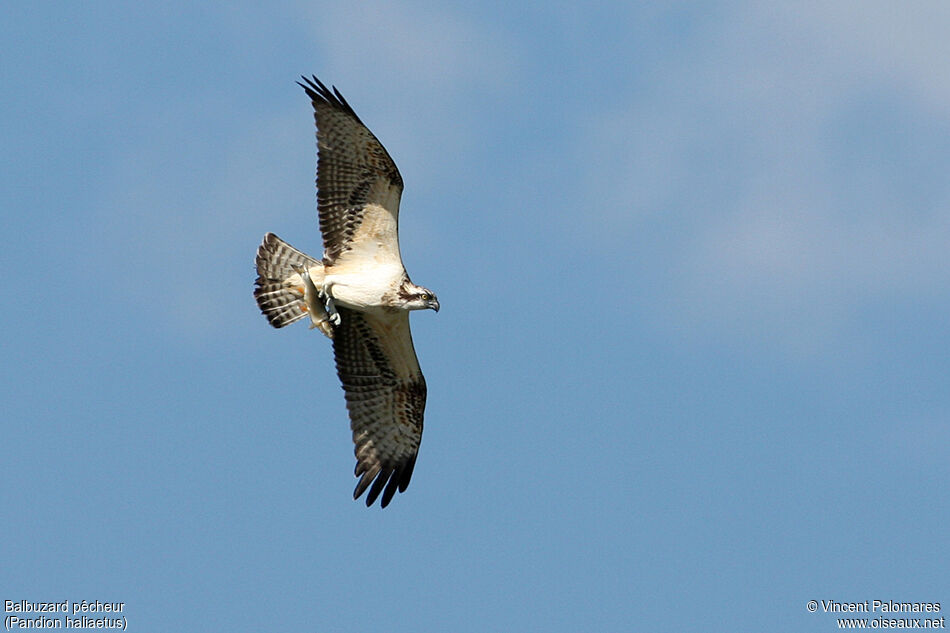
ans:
x=280 y=291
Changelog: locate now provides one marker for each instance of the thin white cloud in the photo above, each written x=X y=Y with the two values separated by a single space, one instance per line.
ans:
x=883 y=40
x=742 y=132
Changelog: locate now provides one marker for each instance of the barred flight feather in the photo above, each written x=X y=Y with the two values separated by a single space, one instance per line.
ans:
x=386 y=408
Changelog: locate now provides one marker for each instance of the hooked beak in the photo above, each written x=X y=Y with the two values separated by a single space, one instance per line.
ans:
x=434 y=304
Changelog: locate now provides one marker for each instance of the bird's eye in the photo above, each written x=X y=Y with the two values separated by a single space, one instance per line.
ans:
x=426 y=296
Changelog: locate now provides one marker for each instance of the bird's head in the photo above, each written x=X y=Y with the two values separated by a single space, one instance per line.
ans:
x=418 y=298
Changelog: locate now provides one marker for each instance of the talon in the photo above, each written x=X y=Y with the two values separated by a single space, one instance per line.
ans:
x=332 y=311
x=329 y=304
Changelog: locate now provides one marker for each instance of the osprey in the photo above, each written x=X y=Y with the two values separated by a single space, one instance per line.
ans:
x=358 y=294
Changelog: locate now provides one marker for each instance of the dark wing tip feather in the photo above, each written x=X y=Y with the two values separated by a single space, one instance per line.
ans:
x=384 y=480
x=319 y=93
x=405 y=474
x=384 y=476
x=365 y=481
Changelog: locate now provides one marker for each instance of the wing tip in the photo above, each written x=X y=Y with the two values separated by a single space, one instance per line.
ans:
x=385 y=481
x=319 y=93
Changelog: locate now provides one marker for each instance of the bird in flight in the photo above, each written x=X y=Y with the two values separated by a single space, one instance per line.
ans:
x=358 y=294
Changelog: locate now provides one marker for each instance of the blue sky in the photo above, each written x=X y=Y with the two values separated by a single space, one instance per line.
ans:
x=691 y=366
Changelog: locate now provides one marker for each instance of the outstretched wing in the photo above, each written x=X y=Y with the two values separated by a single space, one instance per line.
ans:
x=358 y=184
x=385 y=396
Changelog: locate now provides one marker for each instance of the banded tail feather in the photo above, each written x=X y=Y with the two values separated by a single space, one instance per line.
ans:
x=279 y=290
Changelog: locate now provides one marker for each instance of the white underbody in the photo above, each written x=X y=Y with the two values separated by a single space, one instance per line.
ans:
x=361 y=290
x=357 y=289
x=371 y=268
